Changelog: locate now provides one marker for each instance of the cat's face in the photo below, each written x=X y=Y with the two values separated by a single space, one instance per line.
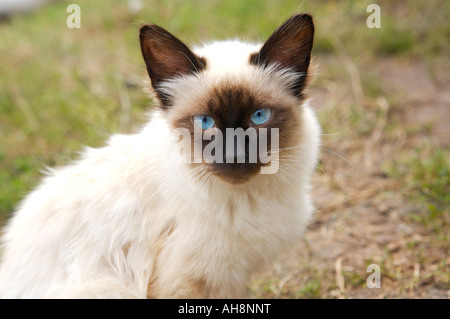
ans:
x=238 y=103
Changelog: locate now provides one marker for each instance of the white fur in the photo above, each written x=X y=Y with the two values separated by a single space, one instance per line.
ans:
x=124 y=216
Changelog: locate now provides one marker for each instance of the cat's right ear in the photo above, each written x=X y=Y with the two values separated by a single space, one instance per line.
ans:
x=289 y=47
x=166 y=57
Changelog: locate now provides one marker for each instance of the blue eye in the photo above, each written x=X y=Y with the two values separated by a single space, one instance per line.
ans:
x=261 y=116
x=203 y=121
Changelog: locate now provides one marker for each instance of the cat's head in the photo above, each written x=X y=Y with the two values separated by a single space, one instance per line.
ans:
x=234 y=104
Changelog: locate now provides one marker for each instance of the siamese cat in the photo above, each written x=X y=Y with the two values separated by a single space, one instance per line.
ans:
x=128 y=220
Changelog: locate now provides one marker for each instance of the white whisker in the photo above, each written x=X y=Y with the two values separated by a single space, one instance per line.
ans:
x=340 y=156
x=301 y=146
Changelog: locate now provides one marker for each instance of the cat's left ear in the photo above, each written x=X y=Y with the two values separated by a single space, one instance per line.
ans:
x=166 y=57
x=289 y=47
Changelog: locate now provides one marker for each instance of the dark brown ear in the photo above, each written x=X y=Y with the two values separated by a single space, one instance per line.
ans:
x=289 y=47
x=166 y=57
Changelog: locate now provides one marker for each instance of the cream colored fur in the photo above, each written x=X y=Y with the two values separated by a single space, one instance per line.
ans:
x=124 y=221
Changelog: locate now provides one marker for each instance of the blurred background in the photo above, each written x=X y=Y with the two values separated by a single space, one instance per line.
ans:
x=382 y=96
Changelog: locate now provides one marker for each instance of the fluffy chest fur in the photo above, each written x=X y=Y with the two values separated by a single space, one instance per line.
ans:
x=123 y=214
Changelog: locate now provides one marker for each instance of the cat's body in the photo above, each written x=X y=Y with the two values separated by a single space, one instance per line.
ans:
x=125 y=221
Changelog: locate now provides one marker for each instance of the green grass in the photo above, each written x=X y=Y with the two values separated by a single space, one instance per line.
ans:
x=311 y=290
x=425 y=177
x=430 y=182
x=431 y=176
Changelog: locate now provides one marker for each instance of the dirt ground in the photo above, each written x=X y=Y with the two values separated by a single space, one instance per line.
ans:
x=363 y=214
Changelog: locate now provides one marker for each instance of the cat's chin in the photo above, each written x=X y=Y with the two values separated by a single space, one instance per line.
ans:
x=235 y=180
x=235 y=174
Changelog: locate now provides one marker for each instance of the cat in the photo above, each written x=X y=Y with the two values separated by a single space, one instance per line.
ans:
x=128 y=221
